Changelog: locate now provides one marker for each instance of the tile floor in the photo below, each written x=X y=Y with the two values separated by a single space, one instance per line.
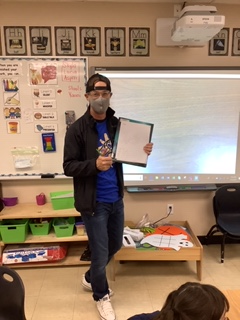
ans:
x=55 y=293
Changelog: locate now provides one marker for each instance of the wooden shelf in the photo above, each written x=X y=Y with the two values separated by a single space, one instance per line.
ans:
x=51 y=237
x=32 y=210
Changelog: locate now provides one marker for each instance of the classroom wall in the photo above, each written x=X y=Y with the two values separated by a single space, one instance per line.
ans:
x=196 y=207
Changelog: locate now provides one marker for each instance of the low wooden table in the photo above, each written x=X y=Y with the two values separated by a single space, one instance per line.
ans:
x=189 y=254
x=234 y=300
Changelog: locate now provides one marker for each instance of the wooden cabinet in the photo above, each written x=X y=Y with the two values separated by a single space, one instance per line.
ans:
x=76 y=243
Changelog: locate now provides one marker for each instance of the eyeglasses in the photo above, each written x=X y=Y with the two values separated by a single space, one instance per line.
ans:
x=97 y=94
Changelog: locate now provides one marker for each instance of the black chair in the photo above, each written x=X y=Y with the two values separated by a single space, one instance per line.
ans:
x=226 y=208
x=12 y=295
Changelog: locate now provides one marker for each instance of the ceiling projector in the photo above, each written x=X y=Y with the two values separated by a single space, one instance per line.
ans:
x=197 y=24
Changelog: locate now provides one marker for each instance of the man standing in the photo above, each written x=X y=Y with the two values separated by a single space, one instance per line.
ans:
x=98 y=186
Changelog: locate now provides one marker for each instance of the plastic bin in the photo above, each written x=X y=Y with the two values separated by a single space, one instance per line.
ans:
x=8 y=202
x=40 y=227
x=63 y=227
x=80 y=227
x=14 y=231
x=62 y=200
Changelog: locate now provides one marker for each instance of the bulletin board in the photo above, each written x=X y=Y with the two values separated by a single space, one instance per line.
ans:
x=40 y=98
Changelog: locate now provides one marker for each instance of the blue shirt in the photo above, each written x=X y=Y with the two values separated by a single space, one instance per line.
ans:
x=107 y=186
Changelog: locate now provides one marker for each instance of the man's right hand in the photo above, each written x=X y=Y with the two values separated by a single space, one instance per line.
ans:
x=104 y=163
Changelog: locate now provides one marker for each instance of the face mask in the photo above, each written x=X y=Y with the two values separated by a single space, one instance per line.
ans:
x=99 y=105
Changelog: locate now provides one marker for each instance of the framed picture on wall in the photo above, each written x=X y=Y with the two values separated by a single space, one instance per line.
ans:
x=139 y=41
x=65 y=41
x=236 y=42
x=218 y=45
x=115 y=42
x=40 y=41
x=15 y=41
x=90 y=41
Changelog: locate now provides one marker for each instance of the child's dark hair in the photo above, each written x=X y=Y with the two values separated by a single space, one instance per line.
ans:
x=194 y=301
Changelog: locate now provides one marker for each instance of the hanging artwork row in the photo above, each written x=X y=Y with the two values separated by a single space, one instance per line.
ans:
x=73 y=41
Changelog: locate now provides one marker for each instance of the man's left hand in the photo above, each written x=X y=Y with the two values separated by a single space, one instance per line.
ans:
x=148 y=148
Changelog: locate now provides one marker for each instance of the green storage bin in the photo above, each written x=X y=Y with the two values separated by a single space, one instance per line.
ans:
x=62 y=200
x=14 y=231
x=64 y=227
x=40 y=228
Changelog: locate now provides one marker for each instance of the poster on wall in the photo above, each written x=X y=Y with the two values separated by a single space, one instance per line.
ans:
x=236 y=42
x=15 y=41
x=90 y=41
x=65 y=41
x=40 y=41
x=218 y=45
x=115 y=42
x=139 y=41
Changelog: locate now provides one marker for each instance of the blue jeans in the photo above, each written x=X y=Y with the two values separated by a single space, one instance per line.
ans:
x=105 y=232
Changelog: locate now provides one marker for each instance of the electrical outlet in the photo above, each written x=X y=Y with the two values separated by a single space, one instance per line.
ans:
x=170 y=209
x=176 y=10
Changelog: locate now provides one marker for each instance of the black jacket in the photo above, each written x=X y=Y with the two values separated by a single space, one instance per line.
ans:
x=81 y=143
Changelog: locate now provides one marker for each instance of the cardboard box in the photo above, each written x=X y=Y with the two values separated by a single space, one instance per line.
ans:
x=25 y=253
x=62 y=200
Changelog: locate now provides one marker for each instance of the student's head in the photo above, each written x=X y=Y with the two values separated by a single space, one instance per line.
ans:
x=195 y=301
x=98 y=94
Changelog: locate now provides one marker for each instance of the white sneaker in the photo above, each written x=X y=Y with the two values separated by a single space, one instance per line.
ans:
x=105 y=308
x=87 y=285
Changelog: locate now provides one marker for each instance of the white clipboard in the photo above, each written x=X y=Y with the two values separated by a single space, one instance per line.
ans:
x=131 y=136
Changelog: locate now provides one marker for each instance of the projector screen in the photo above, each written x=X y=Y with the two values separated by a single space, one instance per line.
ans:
x=195 y=112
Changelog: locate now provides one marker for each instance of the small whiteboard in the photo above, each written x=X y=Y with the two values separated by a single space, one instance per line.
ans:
x=130 y=139
x=40 y=98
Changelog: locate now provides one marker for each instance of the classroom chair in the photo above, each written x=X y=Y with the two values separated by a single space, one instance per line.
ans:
x=12 y=295
x=226 y=208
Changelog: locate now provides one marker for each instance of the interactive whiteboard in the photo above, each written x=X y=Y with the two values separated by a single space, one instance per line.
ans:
x=196 y=117
x=40 y=98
